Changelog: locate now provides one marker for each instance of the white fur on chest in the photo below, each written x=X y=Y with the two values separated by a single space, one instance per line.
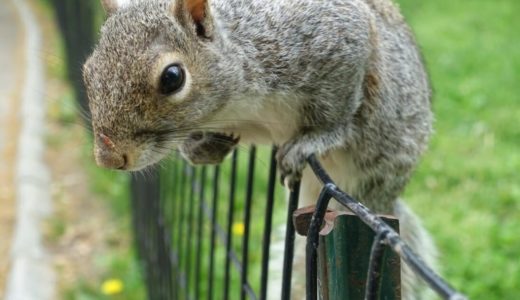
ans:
x=263 y=120
x=341 y=169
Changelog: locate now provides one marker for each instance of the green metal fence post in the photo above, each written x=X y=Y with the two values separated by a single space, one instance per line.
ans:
x=344 y=254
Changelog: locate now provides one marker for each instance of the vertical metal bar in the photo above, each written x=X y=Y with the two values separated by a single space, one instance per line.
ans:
x=163 y=228
x=313 y=238
x=289 y=243
x=167 y=234
x=168 y=187
x=182 y=236
x=175 y=203
x=266 y=240
x=163 y=252
x=247 y=220
x=163 y=258
x=140 y=229
x=149 y=248
x=189 y=240
x=375 y=267
x=152 y=244
x=200 y=240
x=232 y=187
x=216 y=177
x=323 y=271
x=181 y=201
x=348 y=259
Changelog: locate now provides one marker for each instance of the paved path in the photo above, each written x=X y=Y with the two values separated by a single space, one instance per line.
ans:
x=10 y=73
x=10 y=83
x=31 y=275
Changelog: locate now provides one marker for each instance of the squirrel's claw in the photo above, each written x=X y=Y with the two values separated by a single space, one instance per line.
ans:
x=291 y=162
x=289 y=181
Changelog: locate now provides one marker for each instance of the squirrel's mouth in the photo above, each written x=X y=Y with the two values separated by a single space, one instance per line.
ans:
x=216 y=137
x=199 y=148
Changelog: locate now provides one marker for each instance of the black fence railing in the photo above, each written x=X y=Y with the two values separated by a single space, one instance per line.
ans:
x=207 y=233
x=78 y=22
x=385 y=235
x=188 y=235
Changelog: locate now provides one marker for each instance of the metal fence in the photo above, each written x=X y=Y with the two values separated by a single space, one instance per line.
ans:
x=78 y=22
x=185 y=219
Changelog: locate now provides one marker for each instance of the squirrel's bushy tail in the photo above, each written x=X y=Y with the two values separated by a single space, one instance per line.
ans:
x=415 y=235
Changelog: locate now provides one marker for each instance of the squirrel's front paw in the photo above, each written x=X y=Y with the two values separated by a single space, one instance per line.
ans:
x=207 y=147
x=292 y=159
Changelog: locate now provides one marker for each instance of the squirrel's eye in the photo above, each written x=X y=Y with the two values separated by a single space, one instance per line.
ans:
x=172 y=79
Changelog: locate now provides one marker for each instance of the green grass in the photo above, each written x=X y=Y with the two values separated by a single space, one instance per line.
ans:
x=467 y=189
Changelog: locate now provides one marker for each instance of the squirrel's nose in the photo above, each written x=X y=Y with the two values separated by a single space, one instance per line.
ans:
x=111 y=160
x=108 y=156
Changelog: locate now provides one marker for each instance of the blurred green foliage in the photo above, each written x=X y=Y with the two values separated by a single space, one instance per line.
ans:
x=467 y=189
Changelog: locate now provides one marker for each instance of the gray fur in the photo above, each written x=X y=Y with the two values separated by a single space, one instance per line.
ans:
x=340 y=78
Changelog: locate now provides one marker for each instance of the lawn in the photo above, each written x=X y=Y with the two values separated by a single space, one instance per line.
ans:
x=467 y=189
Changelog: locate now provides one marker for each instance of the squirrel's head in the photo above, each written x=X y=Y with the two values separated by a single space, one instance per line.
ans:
x=152 y=79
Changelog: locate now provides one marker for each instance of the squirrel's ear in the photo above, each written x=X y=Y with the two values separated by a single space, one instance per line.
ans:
x=197 y=9
x=111 y=6
x=197 y=13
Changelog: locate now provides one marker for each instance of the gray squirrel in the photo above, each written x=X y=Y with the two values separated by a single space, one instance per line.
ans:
x=339 y=78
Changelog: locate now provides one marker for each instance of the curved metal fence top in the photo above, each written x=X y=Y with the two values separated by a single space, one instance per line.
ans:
x=384 y=235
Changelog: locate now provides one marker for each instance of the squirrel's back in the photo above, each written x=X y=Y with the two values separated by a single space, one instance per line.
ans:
x=355 y=71
x=304 y=45
x=285 y=43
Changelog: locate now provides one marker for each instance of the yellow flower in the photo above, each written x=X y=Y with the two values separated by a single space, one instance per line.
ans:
x=238 y=228
x=112 y=286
